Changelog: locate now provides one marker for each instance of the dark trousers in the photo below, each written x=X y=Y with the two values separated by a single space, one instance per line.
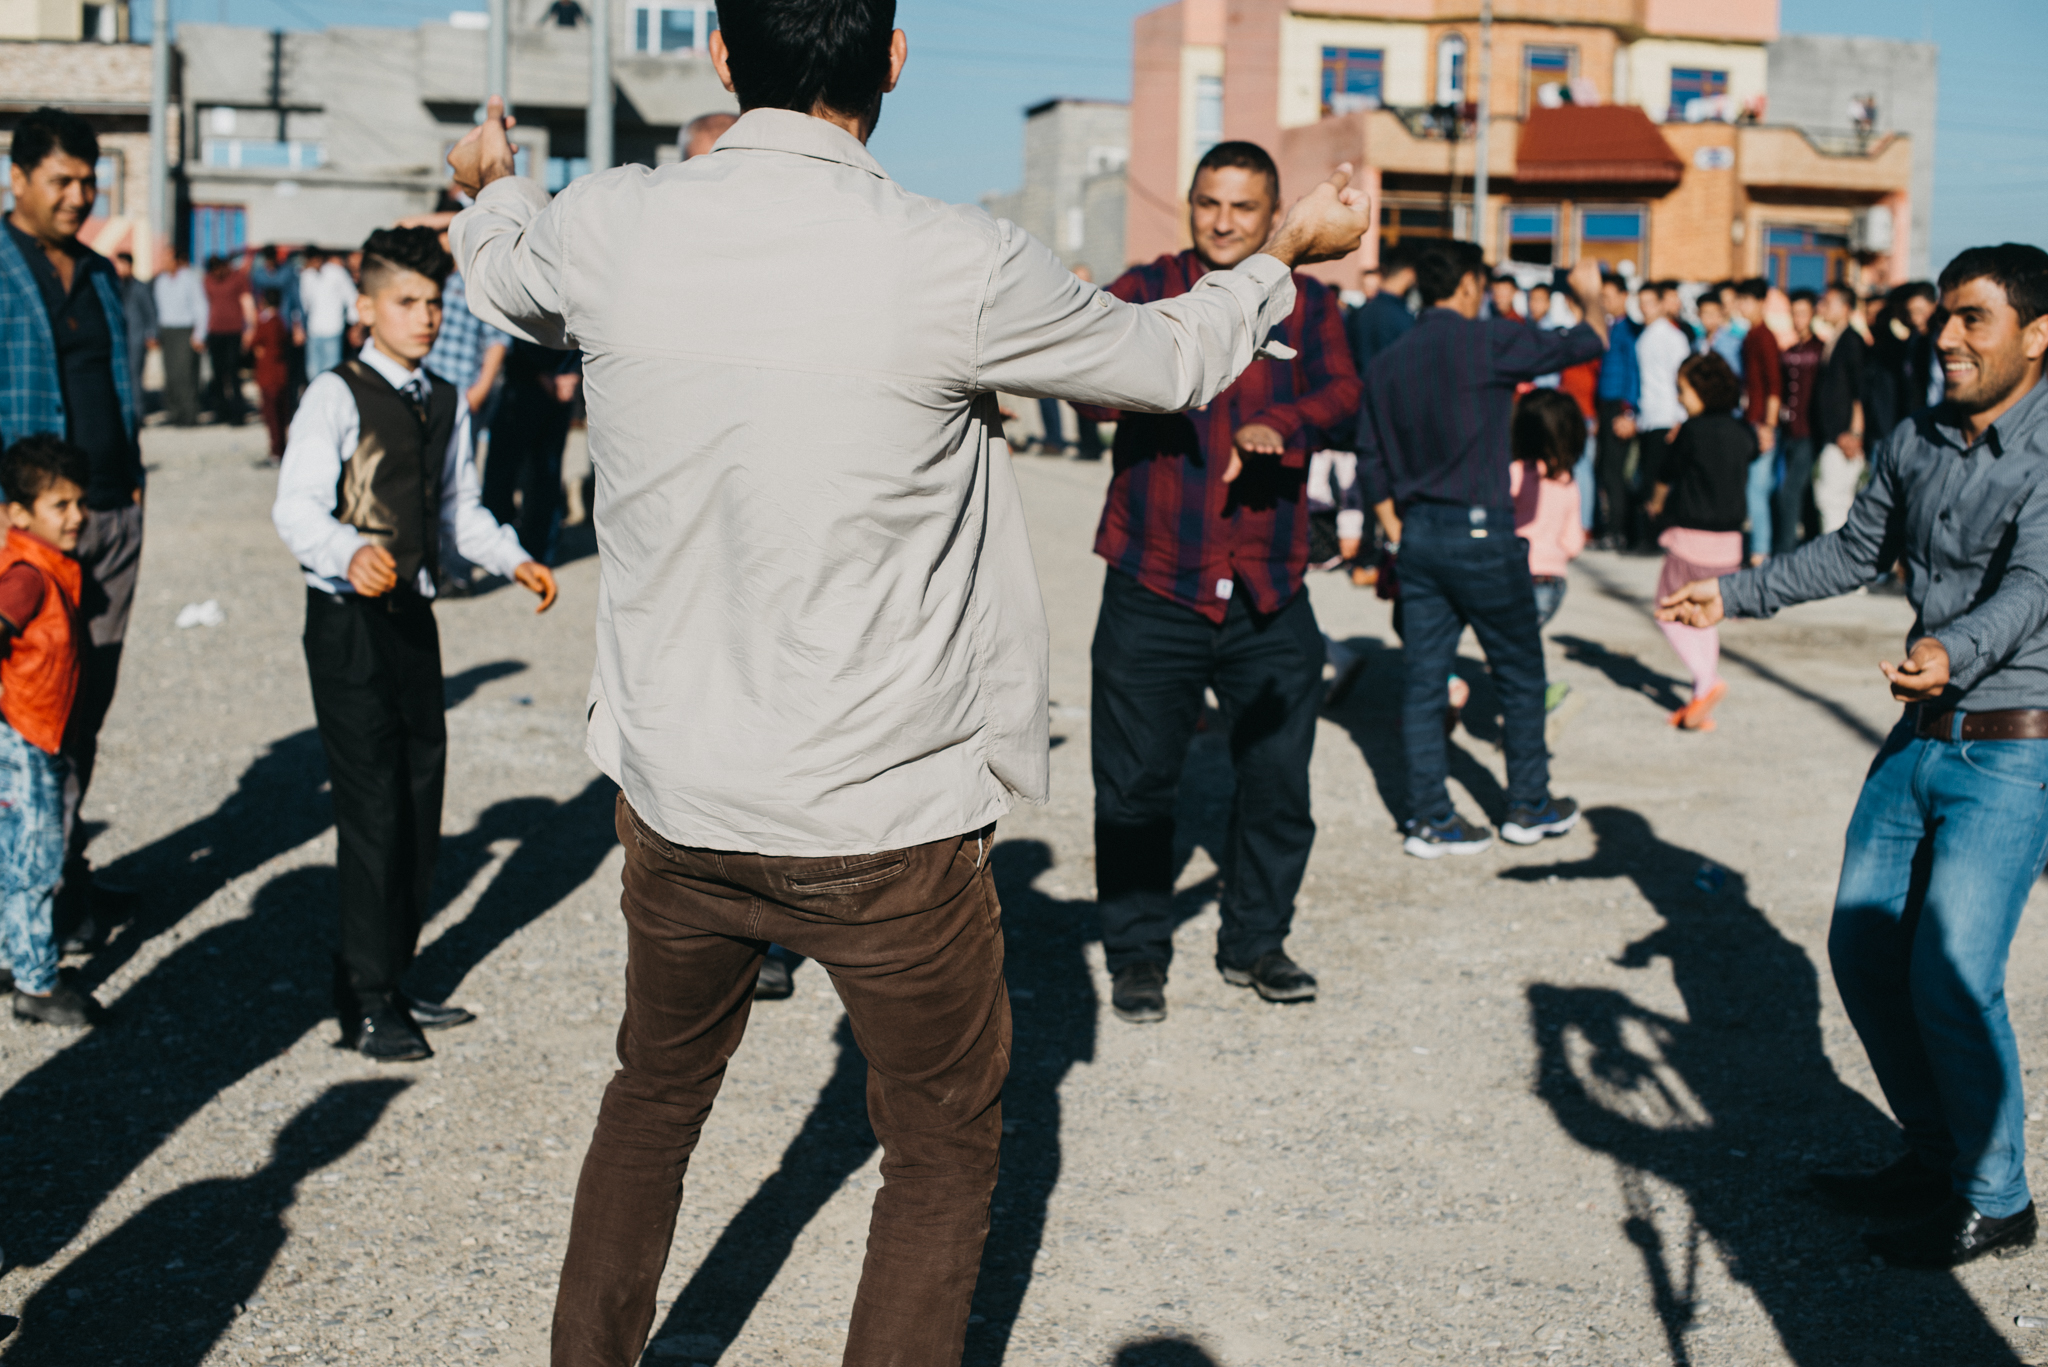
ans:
x=1451 y=579
x=527 y=436
x=1795 y=483
x=1152 y=658
x=376 y=670
x=913 y=940
x=224 y=390
x=181 y=375
x=1615 y=501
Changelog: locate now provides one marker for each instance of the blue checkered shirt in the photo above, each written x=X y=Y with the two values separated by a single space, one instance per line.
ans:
x=31 y=394
x=459 y=351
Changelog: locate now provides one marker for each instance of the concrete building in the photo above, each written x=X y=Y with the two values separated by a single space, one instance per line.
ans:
x=1072 y=198
x=1666 y=137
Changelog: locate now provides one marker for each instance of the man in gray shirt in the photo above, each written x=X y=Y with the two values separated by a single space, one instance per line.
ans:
x=1951 y=830
x=821 y=653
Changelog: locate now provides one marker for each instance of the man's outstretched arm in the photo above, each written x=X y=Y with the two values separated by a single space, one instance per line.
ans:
x=507 y=245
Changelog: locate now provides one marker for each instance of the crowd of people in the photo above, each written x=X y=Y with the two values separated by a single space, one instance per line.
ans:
x=828 y=784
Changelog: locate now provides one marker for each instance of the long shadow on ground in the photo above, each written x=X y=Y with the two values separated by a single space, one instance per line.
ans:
x=1733 y=1105
x=161 y=1290
x=1371 y=713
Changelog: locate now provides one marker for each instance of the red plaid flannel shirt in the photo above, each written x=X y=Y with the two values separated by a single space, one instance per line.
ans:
x=1170 y=521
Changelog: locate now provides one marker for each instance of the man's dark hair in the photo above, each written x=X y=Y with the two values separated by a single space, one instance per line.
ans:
x=1756 y=287
x=1247 y=156
x=1399 y=256
x=1713 y=379
x=390 y=250
x=1848 y=294
x=51 y=129
x=1549 y=431
x=1504 y=276
x=1443 y=266
x=1807 y=297
x=35 y=463
x=799 y=54
x=2018 y=269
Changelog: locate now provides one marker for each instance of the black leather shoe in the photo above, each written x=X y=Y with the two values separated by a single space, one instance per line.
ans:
x=1138 y=994
x=773 y=983
x=435 y=1015
x=63 y=1006
x=1953 y=1235
x=388 y=1035
x=1906 y=1190
x=1275 y=977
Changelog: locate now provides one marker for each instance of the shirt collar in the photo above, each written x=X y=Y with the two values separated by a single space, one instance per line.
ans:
x=2012 y=426
x=785 y=130
x=393 y=372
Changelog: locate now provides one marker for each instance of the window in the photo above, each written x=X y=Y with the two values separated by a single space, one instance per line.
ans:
x=562 y=170
x=1547 y=68
x=1613 y=235
x=296 y=154
x=1697 y=94
x=673 y=28
x=1450 y=70
x=1532 y=234
x=1398 y=221
x=1351 y=79
x=1208 y=114
x=218 y=230
x=1805 y=258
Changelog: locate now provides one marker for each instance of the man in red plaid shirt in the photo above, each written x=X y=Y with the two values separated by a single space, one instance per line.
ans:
x=1206 y=535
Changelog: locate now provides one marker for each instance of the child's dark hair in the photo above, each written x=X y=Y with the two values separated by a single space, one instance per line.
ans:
x=390 y=250
x=33 y=464
x=1713 y=379
x=1549 y=431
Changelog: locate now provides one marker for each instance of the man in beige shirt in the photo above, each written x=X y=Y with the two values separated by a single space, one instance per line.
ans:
x=819 y=639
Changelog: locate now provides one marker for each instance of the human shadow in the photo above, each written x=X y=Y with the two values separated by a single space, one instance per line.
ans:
x=236 y=996
x=1732 y=1104
x=1370 y=714
x=1626 y=672
x=1171 y=1351
x=1053 y=1011
x=163 y=1288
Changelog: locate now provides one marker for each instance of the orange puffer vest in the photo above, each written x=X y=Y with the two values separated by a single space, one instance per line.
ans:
x=40 y=674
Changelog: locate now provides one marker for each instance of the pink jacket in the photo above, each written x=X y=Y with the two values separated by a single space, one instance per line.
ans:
x=1547 y=516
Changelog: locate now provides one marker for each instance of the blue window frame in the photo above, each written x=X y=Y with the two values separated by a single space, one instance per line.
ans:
x=1689 y=83
x=1351 y=79
x=1804 y=258
x=1612 y=225
x=218 y=230
x=1532 y=234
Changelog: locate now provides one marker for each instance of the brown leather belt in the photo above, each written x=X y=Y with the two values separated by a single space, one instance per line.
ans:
x=2019 y=723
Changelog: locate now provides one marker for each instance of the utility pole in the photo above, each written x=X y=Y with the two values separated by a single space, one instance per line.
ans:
x=160 y=211
x=597 y=138
x=498 y=59
x=1479 y=144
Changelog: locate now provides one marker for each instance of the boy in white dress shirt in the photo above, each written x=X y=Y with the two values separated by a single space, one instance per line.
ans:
x=373 y=476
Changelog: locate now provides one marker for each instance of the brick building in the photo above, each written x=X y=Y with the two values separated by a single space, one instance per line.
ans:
x=1636 y=131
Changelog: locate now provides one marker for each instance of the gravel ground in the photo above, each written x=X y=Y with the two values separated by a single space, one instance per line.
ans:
x=1554 y=1105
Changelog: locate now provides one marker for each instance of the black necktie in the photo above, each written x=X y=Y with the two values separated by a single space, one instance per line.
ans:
x=415 y=392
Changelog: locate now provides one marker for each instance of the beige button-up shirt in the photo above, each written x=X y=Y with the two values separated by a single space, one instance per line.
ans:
x=819 y=629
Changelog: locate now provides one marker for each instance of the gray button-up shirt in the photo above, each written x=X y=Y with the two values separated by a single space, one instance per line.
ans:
x=818 y=623
x=1965 y=518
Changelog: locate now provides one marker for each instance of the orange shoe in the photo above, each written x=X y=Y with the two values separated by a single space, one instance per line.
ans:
x=1697 y=714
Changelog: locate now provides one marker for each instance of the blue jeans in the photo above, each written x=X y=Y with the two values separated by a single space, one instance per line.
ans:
x=1763 y=482
x=1550 y=590
x=322 y=354
x=31 y=859
x=1452 y=576
x=1947 y=840
x=1589 y=493
x=1788 y=503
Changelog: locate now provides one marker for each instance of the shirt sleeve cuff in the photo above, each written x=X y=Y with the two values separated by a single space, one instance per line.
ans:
x=1267 y=271
x=515 y=188
x=1965 y=662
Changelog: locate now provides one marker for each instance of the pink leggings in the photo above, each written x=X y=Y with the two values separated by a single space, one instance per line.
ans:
x=1699 y=650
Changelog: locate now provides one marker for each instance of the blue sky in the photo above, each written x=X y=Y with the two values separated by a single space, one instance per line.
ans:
x=955 y=128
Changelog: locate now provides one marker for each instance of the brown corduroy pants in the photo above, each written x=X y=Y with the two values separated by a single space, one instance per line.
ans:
x=913 y=941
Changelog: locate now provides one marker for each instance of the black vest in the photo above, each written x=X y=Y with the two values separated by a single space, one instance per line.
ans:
x=390 y=486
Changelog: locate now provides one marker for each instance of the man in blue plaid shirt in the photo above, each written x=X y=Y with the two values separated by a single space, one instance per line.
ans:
x=64 y=370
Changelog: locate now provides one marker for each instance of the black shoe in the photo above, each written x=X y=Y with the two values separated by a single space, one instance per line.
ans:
x=435 y=1015
x=82 y=938
x=1907 y=1189
x=388 y=1035
x=1452 y=834
x=774 y=982
x=6 y=980
x=63 y=1006
x=1138 y=994
x=1275 y=977
x=1527 y=825
x=1953 y=1235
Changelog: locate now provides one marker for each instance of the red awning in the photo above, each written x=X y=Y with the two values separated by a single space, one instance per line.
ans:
x=1608 y=143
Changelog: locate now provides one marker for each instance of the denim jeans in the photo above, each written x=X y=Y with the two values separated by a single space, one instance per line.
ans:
x=1763 y=482
x=1947 y=840
x=1459 y=567
x=1550 y=590
x=322 y=354
x=31 y=859
x=1788 y=504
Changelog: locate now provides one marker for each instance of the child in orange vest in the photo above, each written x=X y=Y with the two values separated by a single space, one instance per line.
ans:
x=44 y=479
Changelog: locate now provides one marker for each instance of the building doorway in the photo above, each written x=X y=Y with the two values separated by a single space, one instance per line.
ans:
x=1805 y=258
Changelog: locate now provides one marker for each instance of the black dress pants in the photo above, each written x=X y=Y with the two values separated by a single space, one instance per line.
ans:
x=1614 y=501
x=376 y=670
x=224 y=390
x=527 y=437
x=1152 y=658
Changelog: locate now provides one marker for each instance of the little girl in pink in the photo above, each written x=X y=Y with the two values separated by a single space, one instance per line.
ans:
x=1700 y=497
x=1548 y=436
